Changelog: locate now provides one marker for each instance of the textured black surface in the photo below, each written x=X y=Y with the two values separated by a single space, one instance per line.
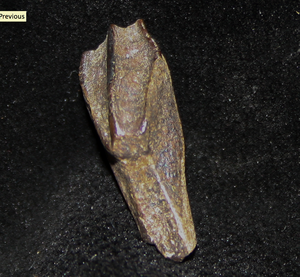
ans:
x=235 y=70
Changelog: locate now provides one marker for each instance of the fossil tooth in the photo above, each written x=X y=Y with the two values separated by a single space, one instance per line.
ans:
x=128 y=90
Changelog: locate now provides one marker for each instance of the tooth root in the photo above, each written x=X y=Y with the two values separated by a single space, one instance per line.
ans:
x=126 y=82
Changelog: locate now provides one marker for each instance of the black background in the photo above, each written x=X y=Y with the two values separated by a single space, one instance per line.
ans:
x=235 y=67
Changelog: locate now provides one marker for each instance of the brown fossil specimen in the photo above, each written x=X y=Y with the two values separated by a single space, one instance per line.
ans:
x=128 y=89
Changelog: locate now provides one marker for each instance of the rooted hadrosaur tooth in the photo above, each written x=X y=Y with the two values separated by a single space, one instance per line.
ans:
x=128 y=89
